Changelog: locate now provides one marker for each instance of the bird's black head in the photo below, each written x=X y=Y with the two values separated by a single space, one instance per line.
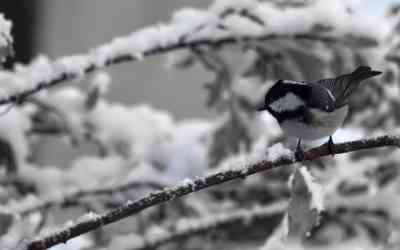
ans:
x=290 y=99
x=284 y=96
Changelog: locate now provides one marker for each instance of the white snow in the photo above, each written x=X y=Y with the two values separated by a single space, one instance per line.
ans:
x=78 y=243
x=5 y=32
x=14 y=125
x=278 y=150
x=90 y=216
x=101 y=80
x=133 y=131
x=316 y=191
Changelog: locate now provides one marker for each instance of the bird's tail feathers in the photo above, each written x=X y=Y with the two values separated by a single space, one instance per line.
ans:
x=362 y=73
x=351 y=82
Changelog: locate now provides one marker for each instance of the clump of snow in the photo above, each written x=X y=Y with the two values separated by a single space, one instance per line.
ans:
x=72 y=65
x=98 y=168
x=185 y=153
x=14 y=125
x=78 y=243
x=133 y=131
x=155 y=233
x=146 y=172
x=278 y=150
x=5 y=32
x=40 y=69
x=343 y=134
x=184 y=22
x=290 y=21
x=90 y=216
x=101 y=81
x=316 y=191
x=249 y=88
x=69 y=101
x=260 y=152
x=14 y=206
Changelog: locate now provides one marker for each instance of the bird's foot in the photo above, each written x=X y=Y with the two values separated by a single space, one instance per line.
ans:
x=331 y=146
x=299 y=154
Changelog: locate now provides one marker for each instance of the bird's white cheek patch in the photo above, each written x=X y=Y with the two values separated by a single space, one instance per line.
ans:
x=288 y=102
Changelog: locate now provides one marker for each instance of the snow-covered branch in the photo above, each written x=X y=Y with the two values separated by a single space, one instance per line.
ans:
x=89 y=223
x=225 y=22
x=186 y=228
x=75 y=198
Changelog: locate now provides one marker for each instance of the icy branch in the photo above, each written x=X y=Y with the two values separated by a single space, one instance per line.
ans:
x=226 y=22
x=131 y=208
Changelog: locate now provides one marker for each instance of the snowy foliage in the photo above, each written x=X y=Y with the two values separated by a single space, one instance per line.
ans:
x=343 y=202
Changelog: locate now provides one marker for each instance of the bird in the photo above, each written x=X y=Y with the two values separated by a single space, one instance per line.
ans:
x=313 y=110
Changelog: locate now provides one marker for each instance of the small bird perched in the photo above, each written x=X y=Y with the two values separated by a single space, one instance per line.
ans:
x=313 y=110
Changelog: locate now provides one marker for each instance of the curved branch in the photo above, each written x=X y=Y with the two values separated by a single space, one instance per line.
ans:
x=90 y=223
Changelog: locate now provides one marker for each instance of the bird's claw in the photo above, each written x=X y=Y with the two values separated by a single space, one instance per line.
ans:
x=299 y=154
x=331 y=146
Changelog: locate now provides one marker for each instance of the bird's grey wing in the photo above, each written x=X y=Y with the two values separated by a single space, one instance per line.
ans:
x=343 y=86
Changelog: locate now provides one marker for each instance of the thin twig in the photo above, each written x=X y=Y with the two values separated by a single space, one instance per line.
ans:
x=167 y=194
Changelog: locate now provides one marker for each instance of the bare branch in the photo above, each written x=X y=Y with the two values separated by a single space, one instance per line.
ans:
x=131 y=208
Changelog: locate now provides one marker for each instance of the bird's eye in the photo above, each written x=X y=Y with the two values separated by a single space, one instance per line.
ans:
x=329 y=108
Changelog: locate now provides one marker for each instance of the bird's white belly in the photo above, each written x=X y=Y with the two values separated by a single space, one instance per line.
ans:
x=323 y=124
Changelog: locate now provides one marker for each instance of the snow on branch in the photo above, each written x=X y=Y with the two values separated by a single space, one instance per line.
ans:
x=75 y=198
x=186 y=228
x=90 y=223
x=225 y=22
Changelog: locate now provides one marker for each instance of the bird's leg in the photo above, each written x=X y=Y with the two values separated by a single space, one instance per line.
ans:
x=299 y=154
x=331 y=146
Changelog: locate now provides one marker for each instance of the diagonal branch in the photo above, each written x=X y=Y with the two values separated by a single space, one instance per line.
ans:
x=89 y=223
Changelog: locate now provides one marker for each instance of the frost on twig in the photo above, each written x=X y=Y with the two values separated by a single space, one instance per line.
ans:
x=167 y=194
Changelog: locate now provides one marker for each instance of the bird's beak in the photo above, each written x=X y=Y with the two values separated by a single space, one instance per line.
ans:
x=261 y=107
